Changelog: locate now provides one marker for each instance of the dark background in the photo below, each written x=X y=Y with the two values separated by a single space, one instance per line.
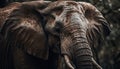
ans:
x=109 y=51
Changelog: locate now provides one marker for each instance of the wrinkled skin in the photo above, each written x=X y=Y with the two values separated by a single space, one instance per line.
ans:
x=7 y=8
x=26 y=40
x=77 y=24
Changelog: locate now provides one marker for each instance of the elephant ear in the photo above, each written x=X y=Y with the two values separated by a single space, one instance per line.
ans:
x=24 y=29
x=98 y=28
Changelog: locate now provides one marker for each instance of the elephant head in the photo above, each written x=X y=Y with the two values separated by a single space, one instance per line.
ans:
x=76 y=24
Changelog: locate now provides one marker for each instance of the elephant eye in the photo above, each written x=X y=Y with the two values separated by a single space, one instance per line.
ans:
x=51 y=16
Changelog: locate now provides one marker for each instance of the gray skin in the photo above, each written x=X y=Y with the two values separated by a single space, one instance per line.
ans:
x=73 y=24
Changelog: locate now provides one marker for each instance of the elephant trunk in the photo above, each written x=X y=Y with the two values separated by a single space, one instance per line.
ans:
x=80 y=49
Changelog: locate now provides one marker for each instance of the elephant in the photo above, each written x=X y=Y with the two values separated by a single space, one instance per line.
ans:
x=79 y=25
x=51 y=35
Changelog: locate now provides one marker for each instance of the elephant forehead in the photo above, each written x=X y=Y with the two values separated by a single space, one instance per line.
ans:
x=69 y=11
x=72 y=6
x=63 y=9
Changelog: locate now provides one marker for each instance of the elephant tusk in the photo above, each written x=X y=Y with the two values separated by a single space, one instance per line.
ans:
x=68 y=62
x=95 y=63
